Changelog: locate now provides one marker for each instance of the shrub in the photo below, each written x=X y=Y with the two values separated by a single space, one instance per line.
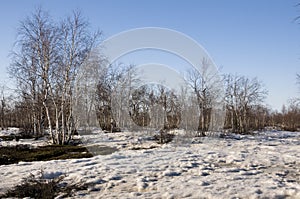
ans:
x=163 y=137
x=38 y=186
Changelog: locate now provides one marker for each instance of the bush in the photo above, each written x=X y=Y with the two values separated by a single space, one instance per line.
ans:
x=40 y=187
x=163 y=137
x=36 y=187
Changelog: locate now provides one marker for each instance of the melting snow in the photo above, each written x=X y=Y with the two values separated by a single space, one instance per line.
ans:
x=265 y=165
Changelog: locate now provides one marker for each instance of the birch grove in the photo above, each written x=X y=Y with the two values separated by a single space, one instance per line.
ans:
x=46 y=60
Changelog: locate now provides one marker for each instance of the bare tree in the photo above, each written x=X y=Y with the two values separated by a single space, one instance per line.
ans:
x=33 y=61
x=292 y=116
x=171 y=108
x=173 y=111
x=242 y=94
x=139 y=106
x=156 y=107
x=121 y=95
x=205 y=86
x=76 y=42
x=113 y=91
x=84 y=105
x=45 y=66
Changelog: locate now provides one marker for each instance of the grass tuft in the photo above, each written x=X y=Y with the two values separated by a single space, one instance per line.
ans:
x=38 y=186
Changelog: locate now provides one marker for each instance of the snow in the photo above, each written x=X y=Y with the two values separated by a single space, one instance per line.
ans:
x=245 y=166
x=9 y=131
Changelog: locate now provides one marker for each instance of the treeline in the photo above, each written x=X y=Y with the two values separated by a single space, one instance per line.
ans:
x=63 y=84
x=156 y=107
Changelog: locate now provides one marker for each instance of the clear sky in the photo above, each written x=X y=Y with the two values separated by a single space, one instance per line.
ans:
x=256 y=38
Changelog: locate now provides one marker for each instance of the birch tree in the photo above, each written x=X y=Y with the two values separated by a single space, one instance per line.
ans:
x=45 y=63
x=76 y=43
x=33 y=60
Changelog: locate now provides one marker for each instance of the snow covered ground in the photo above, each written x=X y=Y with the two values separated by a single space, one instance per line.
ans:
x=15 y=131
x=265 y=165
x=9 y=131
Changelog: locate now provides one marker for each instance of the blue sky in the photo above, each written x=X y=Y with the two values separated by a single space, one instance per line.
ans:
x=256 y=38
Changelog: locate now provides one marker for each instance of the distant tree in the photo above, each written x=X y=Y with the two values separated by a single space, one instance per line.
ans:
x=171 y=108
x=298 y=80
x=7 y=112
x=155 y=106
x=112 y=95
x=84 y=105
x=2 y=108
x=288 y=118
x=242 y=96
x=258 y=117
x=291 y=116
x=139 y=106
x=204 y=84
